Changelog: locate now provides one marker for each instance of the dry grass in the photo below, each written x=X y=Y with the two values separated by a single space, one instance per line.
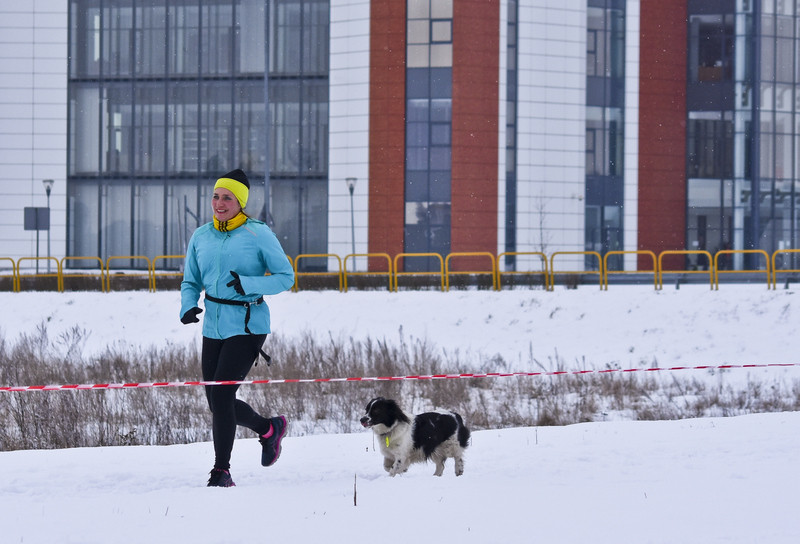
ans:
x=62 y=419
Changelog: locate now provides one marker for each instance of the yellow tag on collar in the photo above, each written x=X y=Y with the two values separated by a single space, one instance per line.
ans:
x=387 y=440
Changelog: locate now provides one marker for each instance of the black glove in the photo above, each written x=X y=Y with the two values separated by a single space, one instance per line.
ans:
x=236 y=283
x=191 y=316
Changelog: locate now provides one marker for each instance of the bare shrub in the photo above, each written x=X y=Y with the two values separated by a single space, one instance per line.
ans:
x=169 y=415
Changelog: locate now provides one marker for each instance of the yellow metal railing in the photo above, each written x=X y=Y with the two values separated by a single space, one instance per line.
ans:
x=706 y=254
x=775 y=269
x=13 y=275
x=20 y=275
x=404 y=256
x=298 y=274
x=368 y=272
x=492 y=271
x=163 y=274
x=606 y=271
x=20 y=269
x=553 y=271
x=64 y=275
x=761 y=252
x=147 y=274
x=501 y=273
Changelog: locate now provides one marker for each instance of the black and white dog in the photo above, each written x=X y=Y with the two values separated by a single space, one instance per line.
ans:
x=432 y=435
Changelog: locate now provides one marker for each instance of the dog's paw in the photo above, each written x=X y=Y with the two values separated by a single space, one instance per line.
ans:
x=397 y=468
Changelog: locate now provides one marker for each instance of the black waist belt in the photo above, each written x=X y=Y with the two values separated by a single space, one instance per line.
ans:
x=246 y=304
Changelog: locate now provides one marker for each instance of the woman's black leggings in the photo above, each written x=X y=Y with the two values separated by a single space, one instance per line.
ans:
x=230 y=359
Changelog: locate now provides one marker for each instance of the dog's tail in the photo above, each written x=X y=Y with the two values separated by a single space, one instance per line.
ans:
x=463 y=432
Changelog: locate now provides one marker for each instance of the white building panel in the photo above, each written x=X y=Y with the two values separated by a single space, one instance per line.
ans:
x=33 y=123
x=631 y=204
x=348 y=127
x=551 y=129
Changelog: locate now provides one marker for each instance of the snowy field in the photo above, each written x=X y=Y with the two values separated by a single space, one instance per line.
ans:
x=702 y=480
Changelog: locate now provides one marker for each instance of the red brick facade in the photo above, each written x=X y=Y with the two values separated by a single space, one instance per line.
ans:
x=387 y=127
x=662 y=128
x=474 y=131
x=476 y=38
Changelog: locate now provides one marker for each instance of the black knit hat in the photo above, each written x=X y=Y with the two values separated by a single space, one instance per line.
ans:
x=236 y=182
x=239 y=176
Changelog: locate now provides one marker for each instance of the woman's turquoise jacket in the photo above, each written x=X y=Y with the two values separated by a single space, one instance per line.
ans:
x=251 y=251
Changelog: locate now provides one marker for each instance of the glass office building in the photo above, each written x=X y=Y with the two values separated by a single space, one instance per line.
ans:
x=605 y=107
x=743 y=96
x=575 y=126
x=429 y=112
x=167 y=95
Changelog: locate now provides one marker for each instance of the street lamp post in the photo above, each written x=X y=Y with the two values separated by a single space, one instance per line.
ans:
x=48 y=186
x=351 y=184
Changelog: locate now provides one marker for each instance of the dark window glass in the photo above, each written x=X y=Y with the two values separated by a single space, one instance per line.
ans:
x=148 y=217
x=418 y=82
x=711 y=39
x=604 y=141
x=117 y=141
x=84 y=113
x=216 y=39
x=300 y=37
x=250 y=120
x=150 y=39
x=216 y=125
x=117 y=41
x=441 y=83
x=166 y=94
x=710 y=148
x=115 y=220
x=301 y=220
x=300 y=126
x=85 y=37
x=605 y=42
x=84 y=209
x=183 y=128
x=417 y=135
x=183 y=39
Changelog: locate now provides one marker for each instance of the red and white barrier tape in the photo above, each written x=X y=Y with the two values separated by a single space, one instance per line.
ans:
x=69 y=387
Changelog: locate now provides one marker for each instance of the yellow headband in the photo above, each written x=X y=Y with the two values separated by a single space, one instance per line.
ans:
x=239 y=190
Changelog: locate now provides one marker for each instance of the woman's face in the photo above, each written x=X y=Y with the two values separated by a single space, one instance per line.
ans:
x=224 y=204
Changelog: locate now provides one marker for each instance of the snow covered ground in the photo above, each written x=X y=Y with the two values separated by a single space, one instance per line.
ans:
x=703 y=480
x=624 y=326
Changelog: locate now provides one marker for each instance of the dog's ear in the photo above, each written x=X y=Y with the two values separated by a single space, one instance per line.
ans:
x=370 y=403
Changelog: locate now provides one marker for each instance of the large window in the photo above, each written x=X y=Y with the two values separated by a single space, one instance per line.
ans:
x=511 y=135
x=742 y=158
x=166 y=95
x=604 y=141
x=604 y=144
x=300 y=37
x=711 y=39
x=605 y=42
x=298 y=104
x=429 y=76
x=709 y=138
